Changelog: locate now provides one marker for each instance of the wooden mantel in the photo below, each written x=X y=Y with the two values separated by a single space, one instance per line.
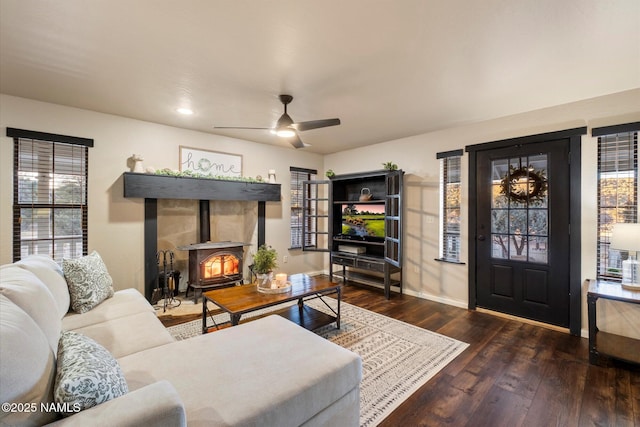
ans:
x=149 y=186
x=153 y=187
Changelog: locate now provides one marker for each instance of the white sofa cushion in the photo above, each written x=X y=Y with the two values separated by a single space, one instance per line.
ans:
x=88 y=280
x=27 y=366
x=296 y=375
x=51 y=275
x=127 y=335
x=86 y=374
x=123 y=303
x=25 y=290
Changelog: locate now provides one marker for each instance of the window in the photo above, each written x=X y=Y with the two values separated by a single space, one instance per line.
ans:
x=450 y=197
x=617 y=191
x=298 y=175
x=49 y=194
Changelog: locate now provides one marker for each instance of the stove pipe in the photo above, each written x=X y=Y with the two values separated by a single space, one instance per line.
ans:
x=205 y=225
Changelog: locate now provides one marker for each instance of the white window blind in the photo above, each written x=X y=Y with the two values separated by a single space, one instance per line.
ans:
x=617 y=195
x=450 y=198
x=298 y=176
x=50 y=195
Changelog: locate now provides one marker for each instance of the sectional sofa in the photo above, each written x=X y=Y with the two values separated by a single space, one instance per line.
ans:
x=269 y=372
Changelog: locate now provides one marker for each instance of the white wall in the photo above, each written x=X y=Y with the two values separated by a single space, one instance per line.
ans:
x=116 y=223
x=416 y=155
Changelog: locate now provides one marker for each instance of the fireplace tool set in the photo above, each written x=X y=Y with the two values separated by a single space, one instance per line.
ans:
x=169 y=278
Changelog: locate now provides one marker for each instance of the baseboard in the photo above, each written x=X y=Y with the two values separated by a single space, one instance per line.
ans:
x=434 y=298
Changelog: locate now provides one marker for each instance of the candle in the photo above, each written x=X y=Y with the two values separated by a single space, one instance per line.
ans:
x=281 y=279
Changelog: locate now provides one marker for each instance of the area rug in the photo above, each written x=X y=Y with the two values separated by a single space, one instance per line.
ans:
x=397 y=358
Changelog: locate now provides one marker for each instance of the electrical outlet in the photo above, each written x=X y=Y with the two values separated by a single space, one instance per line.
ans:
x=285 y=259
x=416 y=269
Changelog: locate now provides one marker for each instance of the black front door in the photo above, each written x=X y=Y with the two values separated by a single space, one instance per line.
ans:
x=522 y=230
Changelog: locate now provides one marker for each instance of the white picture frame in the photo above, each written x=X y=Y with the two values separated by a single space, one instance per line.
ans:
x=212 y=163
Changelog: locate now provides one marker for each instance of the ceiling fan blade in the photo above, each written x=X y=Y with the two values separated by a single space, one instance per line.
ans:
x=239 y=127
x=315 y=124
x=296 y=141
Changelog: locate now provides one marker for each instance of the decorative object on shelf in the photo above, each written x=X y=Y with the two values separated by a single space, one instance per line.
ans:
x=626 y=236
x=272 y=176
x=524 y=184
x=137 y=160
x=390 y=166
x=365 y=195
x=190 y=174
x=212 y=163
x=264 y=261
x=330 y=173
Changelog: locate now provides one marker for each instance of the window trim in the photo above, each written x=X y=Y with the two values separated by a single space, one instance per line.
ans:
x=600 y=133
x=292 y=227
x=19 y=135
x=444 y=157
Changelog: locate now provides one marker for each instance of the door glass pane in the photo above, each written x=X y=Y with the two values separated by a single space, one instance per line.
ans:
x=499 y=220
x=538 y=249
x=500 y=246
x=517 y=221
x=519 y=209
x=518 y=247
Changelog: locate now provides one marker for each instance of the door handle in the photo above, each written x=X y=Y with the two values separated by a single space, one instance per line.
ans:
x=481 y=237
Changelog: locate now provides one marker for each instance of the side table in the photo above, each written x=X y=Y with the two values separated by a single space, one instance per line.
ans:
x=604 y=343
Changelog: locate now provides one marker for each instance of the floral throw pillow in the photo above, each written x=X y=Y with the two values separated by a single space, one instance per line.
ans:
x=88 y=280
x=86 y=374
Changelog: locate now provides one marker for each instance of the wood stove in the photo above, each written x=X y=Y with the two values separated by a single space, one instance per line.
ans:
x=214 y=265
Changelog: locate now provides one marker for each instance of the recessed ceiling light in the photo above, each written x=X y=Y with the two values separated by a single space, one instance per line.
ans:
x=185 y=111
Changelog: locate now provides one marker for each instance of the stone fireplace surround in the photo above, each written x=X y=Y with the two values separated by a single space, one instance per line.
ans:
x=153 y=187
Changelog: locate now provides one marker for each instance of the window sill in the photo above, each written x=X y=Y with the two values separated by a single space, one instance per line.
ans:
x=448 y=261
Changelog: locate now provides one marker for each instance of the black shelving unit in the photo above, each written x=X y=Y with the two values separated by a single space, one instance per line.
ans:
x=371 y=260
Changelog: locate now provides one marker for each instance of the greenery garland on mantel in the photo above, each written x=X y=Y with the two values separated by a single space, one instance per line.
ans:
x=190 y=174
x=536 y=184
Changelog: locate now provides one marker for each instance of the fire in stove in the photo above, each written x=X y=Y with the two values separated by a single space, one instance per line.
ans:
x=221 y=265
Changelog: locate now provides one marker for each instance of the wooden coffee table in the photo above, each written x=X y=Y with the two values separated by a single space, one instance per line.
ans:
x=239 y=300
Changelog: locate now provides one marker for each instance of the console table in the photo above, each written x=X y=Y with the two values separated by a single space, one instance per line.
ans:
x=604 y=343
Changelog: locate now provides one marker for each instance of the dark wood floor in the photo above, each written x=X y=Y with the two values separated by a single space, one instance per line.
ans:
x=512 y=374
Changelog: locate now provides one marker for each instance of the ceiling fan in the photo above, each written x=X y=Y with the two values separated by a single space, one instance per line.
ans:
x=285 y=126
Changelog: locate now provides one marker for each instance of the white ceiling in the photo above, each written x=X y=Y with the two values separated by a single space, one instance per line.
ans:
x=388 y=69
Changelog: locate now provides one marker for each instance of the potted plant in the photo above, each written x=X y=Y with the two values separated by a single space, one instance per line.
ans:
x=390 y=166
x=264 y=261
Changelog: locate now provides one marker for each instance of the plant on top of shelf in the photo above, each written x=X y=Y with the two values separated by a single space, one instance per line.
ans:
x=390 y=166
x=265 y=260
x=191 y=174
x=330 y=173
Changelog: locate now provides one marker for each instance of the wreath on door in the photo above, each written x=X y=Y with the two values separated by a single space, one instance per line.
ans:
x=534 y=187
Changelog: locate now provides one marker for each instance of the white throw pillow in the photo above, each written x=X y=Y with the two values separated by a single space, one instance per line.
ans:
x=89 y=281
x=51 y=275
x=86 y=373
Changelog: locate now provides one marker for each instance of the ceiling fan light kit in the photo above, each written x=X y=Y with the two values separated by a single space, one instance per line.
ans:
x=285 y=133
x=286 y=128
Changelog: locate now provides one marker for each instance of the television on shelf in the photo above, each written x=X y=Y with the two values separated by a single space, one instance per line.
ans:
x=363 y=221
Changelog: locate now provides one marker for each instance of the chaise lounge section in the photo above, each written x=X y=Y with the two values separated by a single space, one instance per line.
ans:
x=268 y=372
